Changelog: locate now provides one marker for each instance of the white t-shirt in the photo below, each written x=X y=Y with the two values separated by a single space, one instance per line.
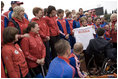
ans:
x=83 y=35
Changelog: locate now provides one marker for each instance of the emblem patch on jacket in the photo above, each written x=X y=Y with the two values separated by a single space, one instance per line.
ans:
x=16 y=52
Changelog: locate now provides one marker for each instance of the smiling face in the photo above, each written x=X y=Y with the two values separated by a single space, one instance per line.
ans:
x=106 y=27
x=40 y=14
x=114 y=18
x=61 y=15
x=81 y=11
x=84 y=23
x=21 y=14
x=98 y=21
x=89 y=19
x=53 y=13
x=14 y=5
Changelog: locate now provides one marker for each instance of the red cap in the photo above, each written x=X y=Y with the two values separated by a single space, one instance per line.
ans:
x=17 y=2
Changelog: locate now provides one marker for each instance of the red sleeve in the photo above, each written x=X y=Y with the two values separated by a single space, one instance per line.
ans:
x=25 y=48
x=43 y=51
x=46 y=19
x=7 y=58
x=48 y=31
x=41 y=34
x=10 y=24
x=6 y=14
x=2 y=70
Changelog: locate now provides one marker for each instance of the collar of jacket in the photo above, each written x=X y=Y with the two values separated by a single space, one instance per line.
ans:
x=16 y=19
x=33 y=34
x=65 y=59
x=60 y=18
x=11 y=44
x=36 y=18
x=10 y=9
x=101 y=37
x=114 y=22
x=69 y=19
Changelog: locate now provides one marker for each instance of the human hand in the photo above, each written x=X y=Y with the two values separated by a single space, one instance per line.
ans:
x=48 y=38
x=42 y=61
x=25 y=35
x=67 y=36
x=38 y=61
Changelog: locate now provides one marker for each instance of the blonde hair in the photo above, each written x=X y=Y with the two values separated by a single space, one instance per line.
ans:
x=113 y=15
x=86 y=13
x=16 y=11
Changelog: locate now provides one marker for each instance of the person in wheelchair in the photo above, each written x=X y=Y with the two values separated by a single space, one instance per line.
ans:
x=98 y=49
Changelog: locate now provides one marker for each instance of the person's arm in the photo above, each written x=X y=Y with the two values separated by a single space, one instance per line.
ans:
x=42 y=35
x=6 y=21
x=68 y=30
x=68 y=27
x=89 y=48
x=74 y=24
x=7 y=58
x=43 y=52
x=25 y=48
x=48 y=31
x=61 y=30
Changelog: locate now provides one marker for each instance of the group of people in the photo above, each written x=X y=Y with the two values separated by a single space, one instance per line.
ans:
x=46 y=43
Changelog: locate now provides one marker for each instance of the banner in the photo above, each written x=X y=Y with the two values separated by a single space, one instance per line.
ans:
x=83 y=35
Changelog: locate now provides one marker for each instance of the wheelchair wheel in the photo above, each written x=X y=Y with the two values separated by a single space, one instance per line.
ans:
x=109 y=67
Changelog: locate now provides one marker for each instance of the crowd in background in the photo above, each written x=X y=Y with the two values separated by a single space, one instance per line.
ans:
x=44 y=43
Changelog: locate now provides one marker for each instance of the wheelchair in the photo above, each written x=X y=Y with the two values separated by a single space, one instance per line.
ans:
x=103 y=67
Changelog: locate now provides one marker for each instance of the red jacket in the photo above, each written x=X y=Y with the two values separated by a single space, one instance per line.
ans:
x=93 y=16
x=52 y=24
x=6 y=13
x=33 y=49
x=14 y=60
x=22 y=24
x=2 y=29
x=2 y=70
x=44 y=29
x=113 y=32
x=63 y=24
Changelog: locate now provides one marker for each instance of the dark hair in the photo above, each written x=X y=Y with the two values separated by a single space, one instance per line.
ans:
x=30 y=25
x=9 y=34
x=45 y=11
x=68 y=13
x=36 y=10
x=80 y=9
x=100 y=31
x=2 y=4
x=96 y=18
x=59 y=11
x=61 y=47
x=50 y=8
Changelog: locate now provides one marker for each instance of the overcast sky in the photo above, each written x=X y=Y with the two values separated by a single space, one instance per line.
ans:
x=64 y=4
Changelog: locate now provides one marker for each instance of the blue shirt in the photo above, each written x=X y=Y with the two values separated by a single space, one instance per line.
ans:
x=59 y=68
x=76 y=24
